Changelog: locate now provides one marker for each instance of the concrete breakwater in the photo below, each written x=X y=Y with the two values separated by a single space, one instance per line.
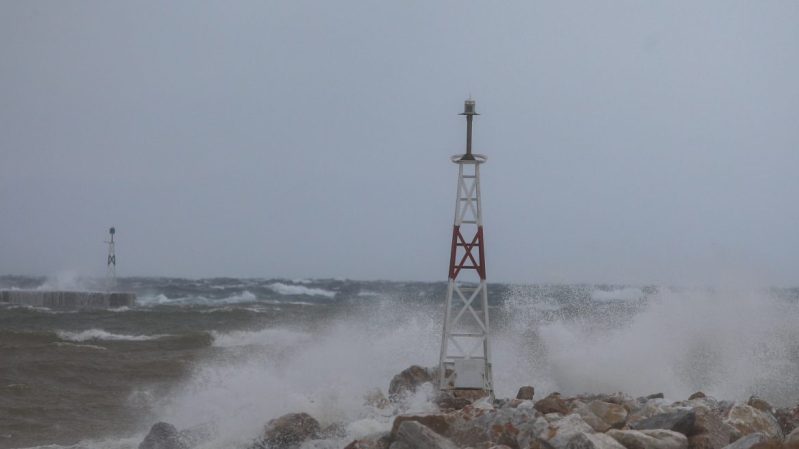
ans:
x=67 y=299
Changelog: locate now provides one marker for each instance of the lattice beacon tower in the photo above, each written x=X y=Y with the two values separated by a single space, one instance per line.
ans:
x=111 y=274
x=465 y=364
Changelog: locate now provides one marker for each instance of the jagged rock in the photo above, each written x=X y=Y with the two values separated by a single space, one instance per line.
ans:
x=552 y=404
x=290 y=430
x=759 y=404
x=408 y=381
x=437 y=423
x=748 y=441
x=697 y=395
x=381 y=442
x=648 y=409
x=589 y=417
x=551 y=431
x=526 y=393
x=792 y=437
x=613 y=414
x=748 y=419
x=502 y=426
x=656 y=396
x=163 y=435
x=417 y=436
x=709 y=431
x=593 y=441
x=774 y=444
x=788 y=419
x=447 y=402
x=650 y=439
x=679 y=421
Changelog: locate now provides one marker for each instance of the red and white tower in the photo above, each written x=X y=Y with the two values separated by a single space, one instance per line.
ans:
x=465 y=362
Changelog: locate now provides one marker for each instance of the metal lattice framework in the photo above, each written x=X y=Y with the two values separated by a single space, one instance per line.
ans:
x=111 y=272
x=465 y=362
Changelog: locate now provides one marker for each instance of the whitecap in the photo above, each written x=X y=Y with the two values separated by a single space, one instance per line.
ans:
x=99 y=334
x=287 y=289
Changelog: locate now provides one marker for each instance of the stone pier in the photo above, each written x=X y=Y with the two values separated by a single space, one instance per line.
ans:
x=67 y=299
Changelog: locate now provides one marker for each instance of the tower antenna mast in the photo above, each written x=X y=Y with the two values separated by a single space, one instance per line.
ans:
x=111 y=273
x=464 y=365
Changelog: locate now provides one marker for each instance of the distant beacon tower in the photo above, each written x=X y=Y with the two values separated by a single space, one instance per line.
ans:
x=465 y=364
x=112 y=260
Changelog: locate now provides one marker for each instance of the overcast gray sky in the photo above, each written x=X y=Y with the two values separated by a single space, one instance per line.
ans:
x=642 y=142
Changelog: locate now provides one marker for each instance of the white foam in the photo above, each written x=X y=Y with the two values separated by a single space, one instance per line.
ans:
x=99 y=334
x=324 y=372
x=730 y=344
x=287 y=289
x=155 y=300
x=619 y=294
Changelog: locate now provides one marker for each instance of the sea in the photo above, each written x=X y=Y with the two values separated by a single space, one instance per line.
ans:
x=227 y=355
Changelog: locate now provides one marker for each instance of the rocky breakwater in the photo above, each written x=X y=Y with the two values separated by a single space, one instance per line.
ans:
x=602 y=421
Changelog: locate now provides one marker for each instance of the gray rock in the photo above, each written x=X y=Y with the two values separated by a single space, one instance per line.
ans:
x=593 y=441
x=792 y=437
x=748 y=441
x=649 y=439
x=648 y=409
x=552 y=404
x=552 y=431
x=400 y=445
x=163 y=435
x=748 y=419
x=408 y=381
x=289 y=431
x=417 y=436
x=759 y=403
x=709 y=431
x=589 y=417
x=613 y=414
x=526 y=393
x=679 y=421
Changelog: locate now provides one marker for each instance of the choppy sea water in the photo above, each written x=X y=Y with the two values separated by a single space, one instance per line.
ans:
x=233 y=353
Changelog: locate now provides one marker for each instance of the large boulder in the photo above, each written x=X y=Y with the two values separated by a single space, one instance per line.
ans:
x=436 y=422
x=647 y=409
x=289 y=431
x=552 y=404
x=792 y=437
x=613 y=414
x=501 y=426
x=417 y=436
x=163 y=435
x=748 y=441
x=788 y=418
x=650 y=439
x=593 y=441
x=748 y=419
x=552 y=431
x=709 y=431
x=407 y=381
x=381 y=441
x=679 y=421
x=526 y=393
x=589 y=417
x=759 y=404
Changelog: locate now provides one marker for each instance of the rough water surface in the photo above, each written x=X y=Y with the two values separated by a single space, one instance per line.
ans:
x=232 y=354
